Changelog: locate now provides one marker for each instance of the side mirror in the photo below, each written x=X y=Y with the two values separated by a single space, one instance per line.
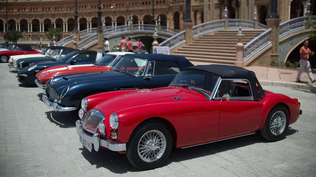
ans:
x=147 y=76
x=72 y=62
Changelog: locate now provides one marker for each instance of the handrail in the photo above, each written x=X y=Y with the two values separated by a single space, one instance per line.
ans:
x=292 y=26
x=65 y=40
x=174 y=41
x=208 y=27
x=256 y=45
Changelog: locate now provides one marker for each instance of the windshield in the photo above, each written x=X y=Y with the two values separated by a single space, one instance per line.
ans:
x=131 y=66
x=44 y=51
x=195 y=80
x=67 y=57
x=106 y=60
x=54 y=53
x=11 y=47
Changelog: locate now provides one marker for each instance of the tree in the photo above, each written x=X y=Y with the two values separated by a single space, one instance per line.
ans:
x=312 y=36
x=54 y=32
x=13 y=35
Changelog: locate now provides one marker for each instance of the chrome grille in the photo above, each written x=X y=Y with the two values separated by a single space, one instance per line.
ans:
x=51 y=93
x=91 y=120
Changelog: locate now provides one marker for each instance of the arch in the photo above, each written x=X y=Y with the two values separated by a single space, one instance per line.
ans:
x=60 y=23
x=135 y=19
x=23 y=25
x=34 y=19
x=120 y=20
x=82 y=23
x=19 y=21
x=11 y=24
x=147 y=19
x=231 y=12
x=35 y=25
x=71 y=24
x=94 y=22
x=176 y=20
x=1 y=25
x=15 y=21
x=293 y=49
x=163 y=19
x=108 y=21
x=47 y=24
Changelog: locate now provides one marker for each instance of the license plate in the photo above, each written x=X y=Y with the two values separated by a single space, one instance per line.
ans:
x=85 y=143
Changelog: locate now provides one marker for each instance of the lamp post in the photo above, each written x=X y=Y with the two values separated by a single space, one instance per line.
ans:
x=76 y=24
x=6 y=22
x=273 y=9
x=99 y=15
x=99 y=28
x=153 y=12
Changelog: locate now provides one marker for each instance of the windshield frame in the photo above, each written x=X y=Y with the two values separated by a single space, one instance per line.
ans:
x=111 y=63
x=199 y=89
x=67 y=57
x=127 y=71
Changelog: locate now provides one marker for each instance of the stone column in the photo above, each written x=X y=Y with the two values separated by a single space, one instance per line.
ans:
x=28 y=27
x=63 y=27
x=16 y=27
x=43 y=27
x=90 y=25
x=40 y=25
x=78 y=26
x=239 y=49
x=31 y=27
x=139 y=25
x=112 y=24
x=66 y=27
x=87 y=26
x=55 y=25
x=19 y=27
x=198 y=17
x=167 y=24
x=273 y=22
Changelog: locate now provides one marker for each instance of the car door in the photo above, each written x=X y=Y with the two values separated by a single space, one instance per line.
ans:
x=239 y=114
x=160 y=73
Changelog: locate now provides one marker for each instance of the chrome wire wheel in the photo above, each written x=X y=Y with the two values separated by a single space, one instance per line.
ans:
x=151 y=146
x=4 y=58
x=278 y=123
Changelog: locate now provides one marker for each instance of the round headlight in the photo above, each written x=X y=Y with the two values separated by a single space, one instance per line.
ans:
x=81 y=113
x=84 y=104
x=64 y=92
x=114 y=121
x=32 y=67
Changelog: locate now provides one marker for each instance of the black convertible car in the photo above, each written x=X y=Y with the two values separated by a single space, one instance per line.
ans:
x=65 y=93
x=80 y=57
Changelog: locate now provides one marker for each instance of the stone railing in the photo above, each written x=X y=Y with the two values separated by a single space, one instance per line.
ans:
x=245 y=24
x=292 y=26
x=66 y=40
x=174 y=41
x=208 y=27
x=256 y=45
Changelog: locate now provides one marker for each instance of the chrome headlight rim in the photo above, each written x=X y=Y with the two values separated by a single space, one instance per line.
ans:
x=101 y=127
x=114 y=121
x=84 y=104
x=32 y=68
x=64 y=92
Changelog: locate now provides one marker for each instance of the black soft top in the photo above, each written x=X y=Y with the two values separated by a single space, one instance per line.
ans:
x=226 y=71
x=181 y=61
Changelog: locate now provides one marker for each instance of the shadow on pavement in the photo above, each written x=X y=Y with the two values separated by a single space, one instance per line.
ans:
x=63 y=119
x=118 y=163
x=27 y=85
x=40 y=95
x=13 y=71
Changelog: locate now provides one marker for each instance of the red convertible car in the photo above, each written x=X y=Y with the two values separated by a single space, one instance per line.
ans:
x=202 y=104
x=103 y=64
x=17 y=49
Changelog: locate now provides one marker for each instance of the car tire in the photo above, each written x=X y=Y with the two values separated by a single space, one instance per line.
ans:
x=145 y=138
x=4 y=59
x=277 y=124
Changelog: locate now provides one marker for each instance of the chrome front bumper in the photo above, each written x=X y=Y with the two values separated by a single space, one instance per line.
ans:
x=54 y=105
x=97 y=142
x=40 y=85
x=11 y=66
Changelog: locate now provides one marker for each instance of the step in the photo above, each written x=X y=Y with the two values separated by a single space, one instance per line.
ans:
x=214 y=45
x=225 y=37
x=192 y=52
x=211 y=61
x=207 y=50
x=216 y=57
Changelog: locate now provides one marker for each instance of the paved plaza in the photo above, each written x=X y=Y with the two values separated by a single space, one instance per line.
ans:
x=35 y=141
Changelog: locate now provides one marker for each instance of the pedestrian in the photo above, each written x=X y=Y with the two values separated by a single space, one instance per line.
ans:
x=139 y=46
x=305 y=52
x=123 y=44
x=106 y=45
x=39 y=45
x=130 y=45
x=54 y=43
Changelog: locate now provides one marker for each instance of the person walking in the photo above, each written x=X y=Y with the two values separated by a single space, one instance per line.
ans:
x=123 y=44
x=106 y=45
x=139 y=46
x=305 y=52
x=130 y=45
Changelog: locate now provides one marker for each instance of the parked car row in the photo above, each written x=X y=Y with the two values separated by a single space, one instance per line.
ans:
x=143 y=105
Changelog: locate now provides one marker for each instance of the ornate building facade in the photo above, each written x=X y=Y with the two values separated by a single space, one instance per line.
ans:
x=34 y=17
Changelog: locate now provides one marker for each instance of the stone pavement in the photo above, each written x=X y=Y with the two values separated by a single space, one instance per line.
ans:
x=35 y=142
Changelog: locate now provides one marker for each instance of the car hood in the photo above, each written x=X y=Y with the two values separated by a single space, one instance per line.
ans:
x=47 y=64
x=17 y=57
x=151 y=96
x=98 y=76
x=32 y=59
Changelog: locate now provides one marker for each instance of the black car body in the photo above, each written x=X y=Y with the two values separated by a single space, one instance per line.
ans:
x=53 y=53
x=131 y=72
x=80 y=57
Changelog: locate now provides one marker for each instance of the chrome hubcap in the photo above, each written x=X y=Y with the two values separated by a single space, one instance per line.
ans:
x=277 y=123
x=4 y=58
x=151 y=146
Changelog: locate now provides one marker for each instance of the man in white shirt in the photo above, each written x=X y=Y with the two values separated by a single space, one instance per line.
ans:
x=106 y=45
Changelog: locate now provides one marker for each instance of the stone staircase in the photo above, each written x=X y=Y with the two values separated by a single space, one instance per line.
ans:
x=218 y=47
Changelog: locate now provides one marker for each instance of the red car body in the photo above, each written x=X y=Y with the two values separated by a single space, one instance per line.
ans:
x=191 y=115
x=45 y=75
x=24 y=49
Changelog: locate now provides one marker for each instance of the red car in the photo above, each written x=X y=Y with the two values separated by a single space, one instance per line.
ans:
x=203 y=104
x=16 y=49
x=103 y=64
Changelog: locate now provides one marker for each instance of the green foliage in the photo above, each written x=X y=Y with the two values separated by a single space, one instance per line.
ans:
x=312 y=25
x=13 y=35
x=288 y=64
x=54 y=31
